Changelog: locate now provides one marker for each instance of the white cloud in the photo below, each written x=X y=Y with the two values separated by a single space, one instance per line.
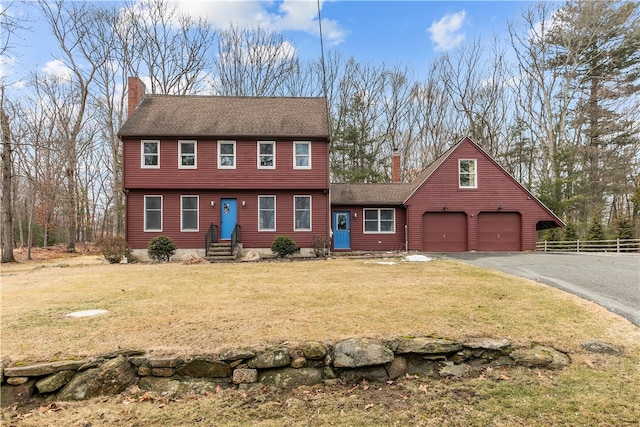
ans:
x=291 y=15
x=447 y=32
x=58 y=69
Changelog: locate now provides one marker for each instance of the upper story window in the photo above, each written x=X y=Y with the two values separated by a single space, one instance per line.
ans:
x=226 y=154
x=189 y=213
x=266 y=155
x=302 y=155
x=152 y=213
x=187 y=154
x=302 y=213
x=266 y=213
x=379 y=221
x=150 y=155
x=468 y=173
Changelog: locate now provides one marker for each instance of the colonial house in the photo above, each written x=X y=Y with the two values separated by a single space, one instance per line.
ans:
x=242 y=170
x=211 y=171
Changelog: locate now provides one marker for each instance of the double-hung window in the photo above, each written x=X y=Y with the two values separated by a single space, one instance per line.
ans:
x=189 y=213
x=301 y=155
x=266 y=155
x=152 y=213
x=150 y=156
x=226 y=154
x=379 y=221
x=468 y=173
x=266 y=213
x=302 y=213
x=187 y=154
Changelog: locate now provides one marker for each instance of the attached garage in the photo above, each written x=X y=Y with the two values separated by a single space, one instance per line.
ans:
x=499 y=231
x=445 y=232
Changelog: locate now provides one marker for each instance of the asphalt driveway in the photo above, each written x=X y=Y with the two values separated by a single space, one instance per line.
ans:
x=610 y=280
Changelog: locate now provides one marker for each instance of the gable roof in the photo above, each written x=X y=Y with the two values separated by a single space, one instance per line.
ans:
x=424 y=176
x=369 y=194
x=224 y=116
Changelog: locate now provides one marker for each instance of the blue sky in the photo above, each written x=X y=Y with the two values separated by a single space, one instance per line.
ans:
x=394 y=32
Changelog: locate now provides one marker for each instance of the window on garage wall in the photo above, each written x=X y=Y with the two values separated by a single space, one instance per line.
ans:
x=468 y=173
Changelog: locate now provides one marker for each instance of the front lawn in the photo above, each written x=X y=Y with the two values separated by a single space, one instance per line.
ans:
x=177 y=309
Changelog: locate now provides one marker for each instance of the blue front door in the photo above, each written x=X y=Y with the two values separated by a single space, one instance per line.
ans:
x=341 y=230
x=228 y=217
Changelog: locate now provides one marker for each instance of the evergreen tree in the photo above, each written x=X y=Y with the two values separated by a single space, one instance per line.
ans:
x=624 y=229
x=596 y=231
x=355 y=154
x=570 y=232
x=597 y=47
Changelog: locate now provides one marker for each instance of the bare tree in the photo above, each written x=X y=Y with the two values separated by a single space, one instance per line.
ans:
x=70 y=25
x=477 y=85
x=8 y=27
x=167 y=45
x=253 y=62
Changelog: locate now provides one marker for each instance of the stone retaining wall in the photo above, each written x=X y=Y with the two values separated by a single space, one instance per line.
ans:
x=286 y=366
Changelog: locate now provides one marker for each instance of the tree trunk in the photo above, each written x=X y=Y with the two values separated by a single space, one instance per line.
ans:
x=7 y=207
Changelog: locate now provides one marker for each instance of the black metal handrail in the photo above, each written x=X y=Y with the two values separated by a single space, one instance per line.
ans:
x=235 y=238
x=210 y=237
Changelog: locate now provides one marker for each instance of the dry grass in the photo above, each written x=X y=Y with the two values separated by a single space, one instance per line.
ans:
x=196 y=309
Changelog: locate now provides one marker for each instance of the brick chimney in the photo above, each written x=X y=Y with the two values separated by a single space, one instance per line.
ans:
x=136 y=92
x=396 y=175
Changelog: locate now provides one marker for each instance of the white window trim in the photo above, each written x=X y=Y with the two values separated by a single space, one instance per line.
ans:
x=197 y=214
x=235 y=154
x=273 y=143
x=147 y=141
x=308 y=143
x=475 y=173
x=195 y=154
x=364 y=229
x=310 y=213
x=275 y=215
x=144 y=207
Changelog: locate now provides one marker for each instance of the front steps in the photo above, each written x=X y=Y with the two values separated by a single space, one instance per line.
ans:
x=221 y=252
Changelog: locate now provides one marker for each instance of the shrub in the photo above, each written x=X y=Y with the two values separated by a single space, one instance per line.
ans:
x=320 y=245
x=114 y=249
x=161 y=248
x=283 y=246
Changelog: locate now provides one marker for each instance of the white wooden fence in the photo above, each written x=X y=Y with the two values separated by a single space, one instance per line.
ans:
x=617 y=245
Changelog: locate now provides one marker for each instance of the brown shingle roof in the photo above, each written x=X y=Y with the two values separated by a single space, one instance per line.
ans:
x=222 y=116
x=369 y=194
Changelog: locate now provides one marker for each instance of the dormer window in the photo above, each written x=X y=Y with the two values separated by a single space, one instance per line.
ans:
x=468 y=173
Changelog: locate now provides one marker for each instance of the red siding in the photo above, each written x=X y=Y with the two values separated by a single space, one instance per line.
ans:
x=247 y=217
x=246 y=175
x=361 y=241
x=496 y=191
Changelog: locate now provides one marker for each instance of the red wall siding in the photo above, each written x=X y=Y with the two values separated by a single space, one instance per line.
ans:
x=208 y=176
x=495 y=188
x=247 y=217
x=374 y=242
